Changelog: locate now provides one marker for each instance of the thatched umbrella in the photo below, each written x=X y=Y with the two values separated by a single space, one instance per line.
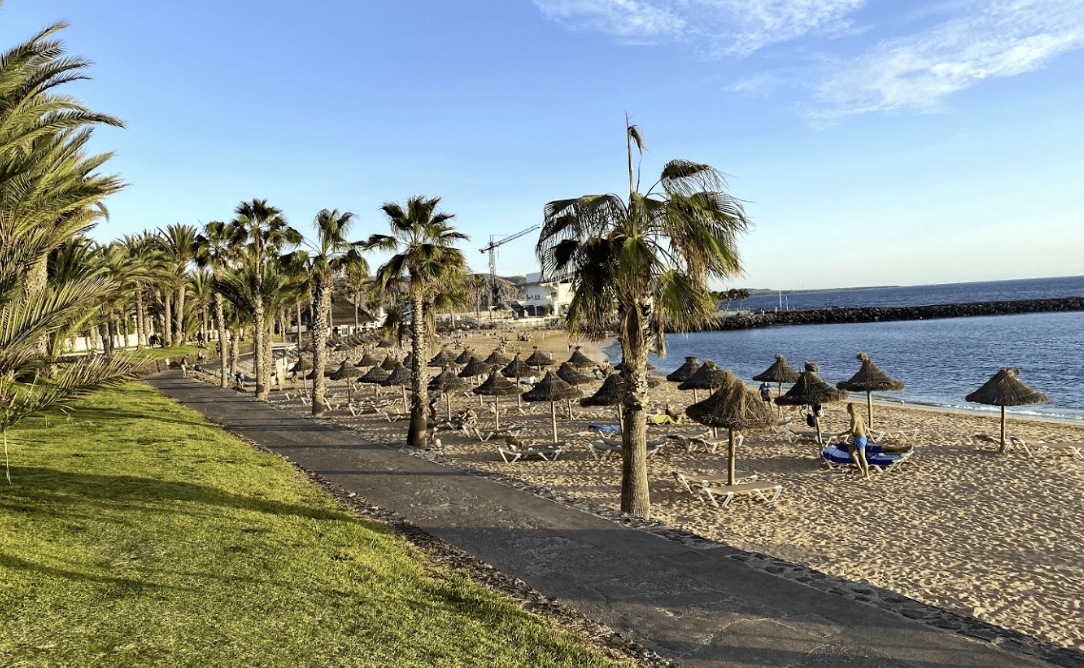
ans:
x=579 y=360
x=869 y=379
x=809 y=390
x=384 y=343
x=400 y=376
x=685 y=371
x=1005 y=389
x=444 y=358
x=466 y=356
x=570 y=375
x=517 y=369
x=779 y=372
x=707 y=377
x=552 y=389
x=538 y=360
x=497 y=386
x=444 y=383
x=389 y=362
x=610 y=394
x=497 y=358
x=735 y=407
x=368 y=359
x=375 y=376
x=345 y=371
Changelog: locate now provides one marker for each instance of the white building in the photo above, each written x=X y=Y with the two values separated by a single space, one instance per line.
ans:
x=557 y=295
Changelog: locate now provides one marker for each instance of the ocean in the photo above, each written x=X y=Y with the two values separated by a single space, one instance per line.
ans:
x=941 y=361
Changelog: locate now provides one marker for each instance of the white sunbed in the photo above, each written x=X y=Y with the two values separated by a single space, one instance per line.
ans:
x=720 y=494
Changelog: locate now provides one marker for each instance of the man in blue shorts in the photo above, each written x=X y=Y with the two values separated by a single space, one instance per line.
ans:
x=857 y=444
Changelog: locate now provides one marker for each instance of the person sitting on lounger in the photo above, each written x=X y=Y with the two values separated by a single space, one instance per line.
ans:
x=857 y=445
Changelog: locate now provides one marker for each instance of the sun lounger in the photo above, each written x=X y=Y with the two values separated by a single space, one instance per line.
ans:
x=604 y=447
x=511 y=454
x=719 y=494
x=837 y=456
x=605 y=428
x=1039 y=448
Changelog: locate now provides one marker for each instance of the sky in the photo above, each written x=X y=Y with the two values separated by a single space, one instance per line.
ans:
x=872 y=142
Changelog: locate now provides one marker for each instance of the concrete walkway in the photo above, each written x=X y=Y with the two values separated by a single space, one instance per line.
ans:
x=701 y=607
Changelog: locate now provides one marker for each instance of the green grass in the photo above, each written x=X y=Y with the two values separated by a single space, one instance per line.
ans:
x=137 y=534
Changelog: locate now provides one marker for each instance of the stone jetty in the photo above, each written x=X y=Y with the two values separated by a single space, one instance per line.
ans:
x=842 y=315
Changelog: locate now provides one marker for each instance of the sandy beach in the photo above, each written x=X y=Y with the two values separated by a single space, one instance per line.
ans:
x=995 y=537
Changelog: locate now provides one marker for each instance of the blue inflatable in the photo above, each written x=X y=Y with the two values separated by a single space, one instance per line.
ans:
x=837 y=454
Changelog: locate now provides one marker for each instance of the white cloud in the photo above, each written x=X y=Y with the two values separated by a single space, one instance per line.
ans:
x=991 y=39
x=721 y=27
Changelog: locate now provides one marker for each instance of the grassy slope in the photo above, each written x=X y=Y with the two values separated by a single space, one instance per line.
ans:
x=137 y=534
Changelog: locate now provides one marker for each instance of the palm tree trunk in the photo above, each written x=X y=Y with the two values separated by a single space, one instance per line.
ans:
x=235 y=351
x=167 y=321
x=258 y=334
x=321 y=307
x=223 y=343
x=179 y=314
x=416 y=435
x=299 y=328
x=635 y=493
x=141 y=319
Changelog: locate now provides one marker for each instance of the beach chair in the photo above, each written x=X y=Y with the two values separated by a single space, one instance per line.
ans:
x=604 y=447
x=511 y=453
x=1039 y=448
x=720 y=494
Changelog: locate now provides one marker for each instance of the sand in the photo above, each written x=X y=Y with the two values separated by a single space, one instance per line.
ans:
x=995 y=537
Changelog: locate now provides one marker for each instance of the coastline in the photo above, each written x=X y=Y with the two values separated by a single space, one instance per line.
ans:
x=992 y=537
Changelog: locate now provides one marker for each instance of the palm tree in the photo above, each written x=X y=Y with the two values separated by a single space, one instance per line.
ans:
x=421 y=239
x=262 y=232
x=213 y=251
x=355 y=279
x=329 y=255
x=178 y=242
x=638 y=268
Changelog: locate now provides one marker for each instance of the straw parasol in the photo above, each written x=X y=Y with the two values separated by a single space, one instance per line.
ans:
x=579 y=360
x=809 y=390
x=497 y=386
x=400 y=376
x=444 y=358
x=570 y=375
x=517 y=369
x=707 y=377
x=389 y=362
x=345 y=371
x=443 y=383
x=374 y=376
x=1005 y=389
x=869 y=379
x=735 y=407
x=538 y=360
x=384 y=343
x=497 y=357
x=610 y=394
x=464 y=357
x=685 y=371
x=779 y=372
x=552 y=389
x=368 y=359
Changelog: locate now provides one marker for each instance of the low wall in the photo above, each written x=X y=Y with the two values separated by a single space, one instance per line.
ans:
x=887 y=314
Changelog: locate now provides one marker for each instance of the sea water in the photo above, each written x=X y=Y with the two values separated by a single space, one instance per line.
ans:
x=941 y=361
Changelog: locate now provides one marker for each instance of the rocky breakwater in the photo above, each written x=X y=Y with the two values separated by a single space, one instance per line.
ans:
x=858 y=314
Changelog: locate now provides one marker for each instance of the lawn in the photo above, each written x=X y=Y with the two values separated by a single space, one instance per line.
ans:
x=137 y=534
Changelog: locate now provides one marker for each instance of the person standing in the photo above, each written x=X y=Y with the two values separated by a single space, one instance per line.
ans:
x=857 y=444
x=766 y=392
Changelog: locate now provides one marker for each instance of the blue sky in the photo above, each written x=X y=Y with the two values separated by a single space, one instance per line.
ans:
x=874 y=142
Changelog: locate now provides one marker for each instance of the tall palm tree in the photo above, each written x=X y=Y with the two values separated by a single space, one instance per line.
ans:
x=421 y=239
x=325 y=258
x=178 y=242
x=639 y=267
x=262 y=233
x=355 y=279
x=214 y=252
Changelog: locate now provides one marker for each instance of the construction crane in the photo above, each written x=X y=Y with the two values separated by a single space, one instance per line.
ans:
x=494 y=288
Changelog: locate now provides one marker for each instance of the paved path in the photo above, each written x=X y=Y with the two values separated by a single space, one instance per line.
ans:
x=701 y=607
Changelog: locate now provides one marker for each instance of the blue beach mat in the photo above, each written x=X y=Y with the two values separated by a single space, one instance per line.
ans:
x=874 y=455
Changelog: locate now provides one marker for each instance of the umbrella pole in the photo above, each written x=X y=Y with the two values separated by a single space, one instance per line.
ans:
x=732 y=466
x=406 y=406
x=817 y=422
x=779 y=393
x=497 y=412
x=448 y=402
x=869 y=408
x=1002 y=448
x=553 y=418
